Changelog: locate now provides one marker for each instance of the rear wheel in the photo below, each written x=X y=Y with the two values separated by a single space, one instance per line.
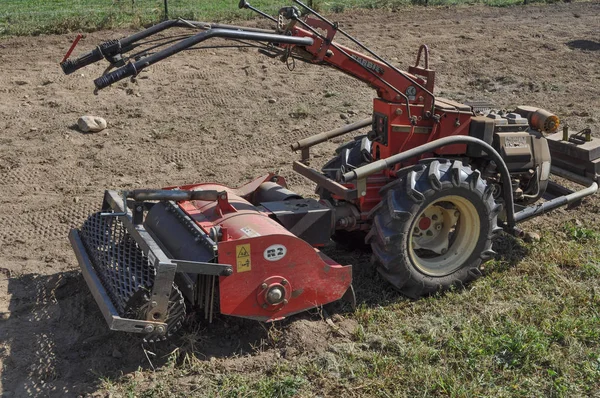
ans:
x=434 y=227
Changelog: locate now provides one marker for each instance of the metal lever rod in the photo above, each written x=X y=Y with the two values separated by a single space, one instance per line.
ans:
x=245 y=4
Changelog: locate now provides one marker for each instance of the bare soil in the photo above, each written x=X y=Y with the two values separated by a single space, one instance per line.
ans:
x=206 y=116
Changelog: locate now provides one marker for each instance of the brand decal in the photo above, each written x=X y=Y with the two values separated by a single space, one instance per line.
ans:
x=368 y=64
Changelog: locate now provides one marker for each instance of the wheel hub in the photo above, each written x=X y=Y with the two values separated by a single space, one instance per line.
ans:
x=444 y=235
x=434 y=228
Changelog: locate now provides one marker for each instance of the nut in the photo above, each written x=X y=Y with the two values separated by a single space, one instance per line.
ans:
x=263 y=286
x=148 y=328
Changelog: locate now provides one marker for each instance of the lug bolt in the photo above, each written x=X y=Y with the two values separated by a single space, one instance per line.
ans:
x=263 y=286
x=284 y=282
x=444 y=251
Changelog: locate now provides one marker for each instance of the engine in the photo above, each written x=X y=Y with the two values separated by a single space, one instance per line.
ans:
x=517 y=137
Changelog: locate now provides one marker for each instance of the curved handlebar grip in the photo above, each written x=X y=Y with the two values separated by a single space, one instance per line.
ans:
x=71 y=65
x=113 y=77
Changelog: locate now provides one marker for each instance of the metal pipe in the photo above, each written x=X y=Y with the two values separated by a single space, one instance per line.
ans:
x=225 y=33
x=141 y=195
x=569 y=175
x=534 y=211
x=322 y=137
x=380 y=165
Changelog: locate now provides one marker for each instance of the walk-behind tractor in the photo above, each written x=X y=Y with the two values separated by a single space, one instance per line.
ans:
x=427 y=186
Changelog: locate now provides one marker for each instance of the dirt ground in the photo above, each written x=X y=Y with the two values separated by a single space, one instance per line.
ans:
x=207 y=116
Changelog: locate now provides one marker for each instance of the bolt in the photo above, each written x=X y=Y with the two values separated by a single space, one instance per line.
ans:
x=149 y=329
x=284 y=282
x=153 y=304
x=434 y=217
x=444 y=250
x=263 y=286
x=285 y=301
x=398 y=111
x=160 y=329
x=439 y=227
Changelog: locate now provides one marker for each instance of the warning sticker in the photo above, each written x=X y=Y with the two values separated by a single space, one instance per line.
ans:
x=242 y=257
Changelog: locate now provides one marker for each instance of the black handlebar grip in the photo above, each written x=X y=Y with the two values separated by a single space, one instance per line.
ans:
x=113 y=77
x=71 y=65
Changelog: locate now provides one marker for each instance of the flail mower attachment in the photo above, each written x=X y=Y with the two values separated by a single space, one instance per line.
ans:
x=214 y=246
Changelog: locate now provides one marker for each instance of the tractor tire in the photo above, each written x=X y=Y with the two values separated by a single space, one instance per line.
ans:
x=349 y=156
x=434 y=227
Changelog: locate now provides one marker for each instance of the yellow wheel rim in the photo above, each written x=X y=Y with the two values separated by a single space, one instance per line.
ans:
x=444 y=235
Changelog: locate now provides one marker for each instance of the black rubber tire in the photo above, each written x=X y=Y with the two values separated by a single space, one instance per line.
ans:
x=395 y=216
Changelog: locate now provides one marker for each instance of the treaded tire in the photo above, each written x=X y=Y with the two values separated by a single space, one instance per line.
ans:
x=395 y=217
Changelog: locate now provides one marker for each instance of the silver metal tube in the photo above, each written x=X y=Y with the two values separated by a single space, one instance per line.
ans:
x=363 y=172
x=322 y=137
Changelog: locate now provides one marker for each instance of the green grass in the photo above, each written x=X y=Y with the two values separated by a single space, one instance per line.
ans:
x=530 y=328
x=34 y=17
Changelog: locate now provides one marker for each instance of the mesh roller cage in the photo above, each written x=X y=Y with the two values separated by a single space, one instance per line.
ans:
x=122 y=267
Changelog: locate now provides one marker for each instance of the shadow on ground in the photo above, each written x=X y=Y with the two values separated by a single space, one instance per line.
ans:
x=55 y=341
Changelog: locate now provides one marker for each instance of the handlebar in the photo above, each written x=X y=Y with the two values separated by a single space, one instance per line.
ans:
x=133 y=68
x=107 y=49
x=113 y=77
x=71 y=65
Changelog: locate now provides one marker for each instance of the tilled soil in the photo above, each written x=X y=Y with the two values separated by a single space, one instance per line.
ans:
x=225 y=116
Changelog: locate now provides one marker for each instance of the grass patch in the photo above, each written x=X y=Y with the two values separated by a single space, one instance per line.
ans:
x=529 y=328
x=34 y=17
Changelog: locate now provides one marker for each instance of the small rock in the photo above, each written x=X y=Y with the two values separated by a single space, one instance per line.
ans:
x=351 y=112
x=138 y=94
x=76 y=199
x=531 y=237
x=4 y=316
x=21 y=82
x=343 y=116
x=117 y=354
x=129 y=91
x=272 y=100
x=91 y=124
x=33 y=129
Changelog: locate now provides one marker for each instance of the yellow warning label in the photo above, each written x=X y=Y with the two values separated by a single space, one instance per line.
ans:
x=242 y=256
